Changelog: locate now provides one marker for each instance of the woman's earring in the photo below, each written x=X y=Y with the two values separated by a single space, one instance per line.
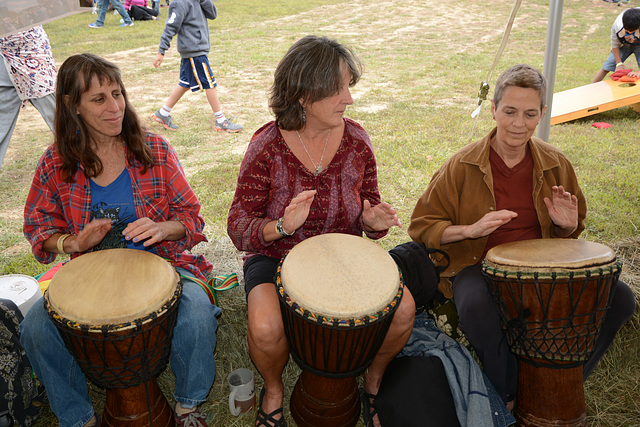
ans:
x=304 y=117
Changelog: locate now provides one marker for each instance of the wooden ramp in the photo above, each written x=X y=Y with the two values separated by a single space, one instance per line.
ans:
x=592 y=99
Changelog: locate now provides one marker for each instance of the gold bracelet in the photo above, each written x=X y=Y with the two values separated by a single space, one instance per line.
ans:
x=60 y=243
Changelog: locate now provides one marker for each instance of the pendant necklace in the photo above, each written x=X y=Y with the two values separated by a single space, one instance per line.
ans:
x=318 y=167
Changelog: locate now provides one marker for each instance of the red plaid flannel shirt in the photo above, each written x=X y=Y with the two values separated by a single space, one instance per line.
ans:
x=161 y=194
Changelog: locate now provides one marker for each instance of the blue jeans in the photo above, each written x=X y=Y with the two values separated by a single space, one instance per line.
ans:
x=192 y=362
x=117 y=5
x=626 y=50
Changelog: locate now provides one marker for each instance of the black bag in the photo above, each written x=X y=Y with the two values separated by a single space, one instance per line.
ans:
x=419 y=273
x=414 y=392
x=22 y=397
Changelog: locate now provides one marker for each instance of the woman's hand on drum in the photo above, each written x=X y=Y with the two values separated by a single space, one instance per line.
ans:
x=380 y=217
x=563 y=210
x=483 y=227
x=298 y=210
x=145 y=229
x=91 y=235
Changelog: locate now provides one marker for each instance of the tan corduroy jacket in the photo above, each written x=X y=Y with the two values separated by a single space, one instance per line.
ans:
x=461 y=192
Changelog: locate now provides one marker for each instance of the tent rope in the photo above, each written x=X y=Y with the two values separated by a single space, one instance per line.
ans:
x=484 y=85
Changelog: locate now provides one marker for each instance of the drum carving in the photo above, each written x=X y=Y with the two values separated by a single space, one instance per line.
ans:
x=338 y=294
x=115 y=310
x=552 y=295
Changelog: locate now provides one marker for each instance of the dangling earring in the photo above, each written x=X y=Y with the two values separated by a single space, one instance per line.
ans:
x=304 y=117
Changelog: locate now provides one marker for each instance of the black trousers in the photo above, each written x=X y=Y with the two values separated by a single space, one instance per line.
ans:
x=140 y=13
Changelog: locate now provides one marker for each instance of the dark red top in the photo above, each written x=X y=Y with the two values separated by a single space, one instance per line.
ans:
x=513 y=190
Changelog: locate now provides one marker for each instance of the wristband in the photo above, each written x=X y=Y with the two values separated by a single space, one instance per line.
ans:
x=60 y=243
x=280 y=229
x=619 y=64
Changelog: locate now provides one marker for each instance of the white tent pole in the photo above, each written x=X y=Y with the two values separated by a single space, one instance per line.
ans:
x=550 y=62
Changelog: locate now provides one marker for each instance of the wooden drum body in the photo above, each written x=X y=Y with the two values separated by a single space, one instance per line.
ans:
x=338 y=294
x=115 y=310
x=552 y=295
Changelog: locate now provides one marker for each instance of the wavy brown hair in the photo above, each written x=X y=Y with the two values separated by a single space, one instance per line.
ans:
x=72 y=139
x=311 y=69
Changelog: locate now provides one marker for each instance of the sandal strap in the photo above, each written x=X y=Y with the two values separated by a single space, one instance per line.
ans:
x=268 y=420
x=369 y=408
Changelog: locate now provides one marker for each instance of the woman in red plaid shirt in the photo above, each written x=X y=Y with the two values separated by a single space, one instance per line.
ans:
x=103 y=184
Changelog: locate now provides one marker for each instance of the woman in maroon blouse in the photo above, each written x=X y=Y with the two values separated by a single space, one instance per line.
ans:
x=309 y=172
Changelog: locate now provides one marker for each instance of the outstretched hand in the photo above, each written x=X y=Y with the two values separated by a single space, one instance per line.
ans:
x=490 y=222
x=563 y=210
x=482 y=227
x=298 y=210
x=150 y=232
x=92 y=234
x=380 y=217
x=146 y=230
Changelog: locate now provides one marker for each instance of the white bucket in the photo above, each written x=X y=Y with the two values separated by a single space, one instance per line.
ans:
x=23 y=290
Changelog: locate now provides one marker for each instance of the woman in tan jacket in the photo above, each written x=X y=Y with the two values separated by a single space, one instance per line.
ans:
x=508 y=186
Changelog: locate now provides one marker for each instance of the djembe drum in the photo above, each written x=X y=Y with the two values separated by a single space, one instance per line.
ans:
x=115 y=310
x=338 y=294
x=552 y=295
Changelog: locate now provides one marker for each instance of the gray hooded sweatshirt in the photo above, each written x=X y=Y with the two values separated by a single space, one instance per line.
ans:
x=188 y=20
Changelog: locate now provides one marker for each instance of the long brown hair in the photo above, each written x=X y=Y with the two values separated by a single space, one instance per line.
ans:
x=72 y=140
x=311 y=69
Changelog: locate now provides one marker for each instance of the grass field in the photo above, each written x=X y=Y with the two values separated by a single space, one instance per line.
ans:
x=424 y=62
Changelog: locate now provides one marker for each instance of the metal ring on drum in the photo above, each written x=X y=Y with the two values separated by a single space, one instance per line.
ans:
x=115 y=310
x=552 y=296
x=338 y=294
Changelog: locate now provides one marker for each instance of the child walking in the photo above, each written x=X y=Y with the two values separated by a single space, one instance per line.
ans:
x=188 y=20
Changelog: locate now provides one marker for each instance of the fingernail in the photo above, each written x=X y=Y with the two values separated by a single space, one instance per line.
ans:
x=127 y=237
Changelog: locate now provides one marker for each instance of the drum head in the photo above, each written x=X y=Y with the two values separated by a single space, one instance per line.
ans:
x=112 y=286
x=340 y=276
x=549 y=255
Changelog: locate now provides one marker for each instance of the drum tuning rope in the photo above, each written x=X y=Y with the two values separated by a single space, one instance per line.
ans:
x=484 y=85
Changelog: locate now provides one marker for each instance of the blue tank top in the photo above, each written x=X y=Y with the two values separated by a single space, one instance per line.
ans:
x=115 y=202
